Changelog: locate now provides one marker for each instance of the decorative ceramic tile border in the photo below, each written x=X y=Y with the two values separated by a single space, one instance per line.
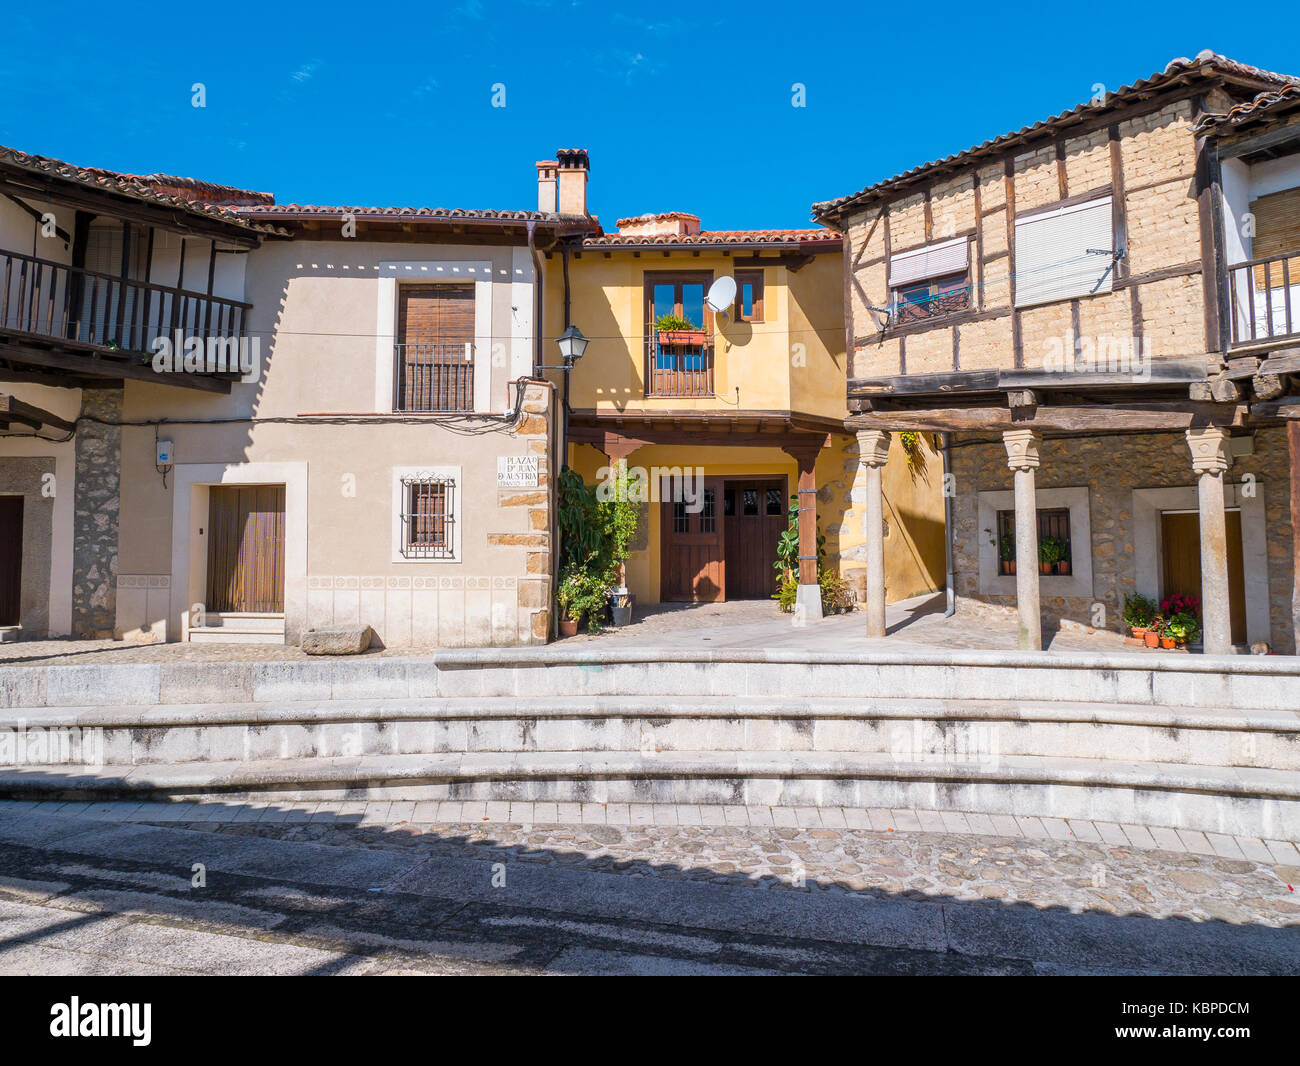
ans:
x=144 y=581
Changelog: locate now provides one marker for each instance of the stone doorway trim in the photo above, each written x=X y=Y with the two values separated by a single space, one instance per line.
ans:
x=1147 y=507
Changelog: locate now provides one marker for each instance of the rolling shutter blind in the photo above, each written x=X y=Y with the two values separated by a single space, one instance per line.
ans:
x=1052 y=253
x=1277 y=224
x=932 y=261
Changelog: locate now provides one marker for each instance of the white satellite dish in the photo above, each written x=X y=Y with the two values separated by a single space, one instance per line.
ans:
x=722 y=294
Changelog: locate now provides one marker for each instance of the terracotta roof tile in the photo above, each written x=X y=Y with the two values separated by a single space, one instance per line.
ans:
x=1206 y=64
x=298 y=211
x=812 y=235
x=185 y=193
x=1249 y=110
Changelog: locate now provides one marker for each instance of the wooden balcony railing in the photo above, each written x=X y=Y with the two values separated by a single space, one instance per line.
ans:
x=433 y=377
x=51 y=301
x=679 y=369
x=1265 y=298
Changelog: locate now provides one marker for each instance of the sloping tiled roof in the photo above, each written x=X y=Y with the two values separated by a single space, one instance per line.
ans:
x=1206 y=64
x=1250 y=110
x=819 y=236
x=162 y=190
x=292 y=212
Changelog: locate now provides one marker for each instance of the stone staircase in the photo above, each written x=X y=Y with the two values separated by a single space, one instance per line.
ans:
x=238 y=628
x=1187 y=741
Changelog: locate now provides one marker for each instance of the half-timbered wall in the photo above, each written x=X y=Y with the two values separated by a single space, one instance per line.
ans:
x=1146 y=162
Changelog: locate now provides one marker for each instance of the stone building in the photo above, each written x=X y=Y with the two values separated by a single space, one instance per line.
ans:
x=225 y=419
x=1101 y=312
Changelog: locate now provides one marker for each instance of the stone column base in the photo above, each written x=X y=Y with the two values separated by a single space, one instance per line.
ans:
x=808 y=604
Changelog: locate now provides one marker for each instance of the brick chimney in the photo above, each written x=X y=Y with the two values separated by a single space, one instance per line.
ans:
x=547 y=197
x=676 y=223
x=573 y=166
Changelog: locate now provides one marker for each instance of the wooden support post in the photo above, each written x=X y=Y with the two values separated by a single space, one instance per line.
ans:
x=1209 y=448
x=873 y=450
x=1022 y=458
x=808 y=605
x=1293 y=443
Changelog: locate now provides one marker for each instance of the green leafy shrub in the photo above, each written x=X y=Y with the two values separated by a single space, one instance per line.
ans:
x=670 y=322
x=595 y=537
x=1139 y=611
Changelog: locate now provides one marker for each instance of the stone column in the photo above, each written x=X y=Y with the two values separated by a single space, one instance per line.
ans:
x=94 y=529
x=1022 y=458
x=1209 y=447
x=808 y=603
x=873 y=450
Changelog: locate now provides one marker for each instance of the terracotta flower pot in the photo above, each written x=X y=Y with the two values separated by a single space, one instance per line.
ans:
x=682 y=338
x=1153 y=639
x=1140 y=633
x=568 y=627
x=1044 y=568
x=1167 y=643
x=1007 y=566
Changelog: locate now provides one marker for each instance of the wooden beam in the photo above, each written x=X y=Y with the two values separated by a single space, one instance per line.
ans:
x=12 y=410
x=97 y=367
x=1132 y=417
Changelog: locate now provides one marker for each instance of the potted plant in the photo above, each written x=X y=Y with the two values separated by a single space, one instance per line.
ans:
x=1007 y=553
x=1051 y=551
x=1152 y=636
x=568 y=596
x=1167 y=638
x=1180 y=603
x=1185 y=628
x=1138 y=613
x=677 y=332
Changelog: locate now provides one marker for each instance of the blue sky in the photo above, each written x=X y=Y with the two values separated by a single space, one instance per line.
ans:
x=682 y=106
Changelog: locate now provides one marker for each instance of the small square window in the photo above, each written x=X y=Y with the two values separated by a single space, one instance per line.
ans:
x=428 y=517
x=749 y=296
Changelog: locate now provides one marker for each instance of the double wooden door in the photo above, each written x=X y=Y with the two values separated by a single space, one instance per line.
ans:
x=246 y=549
x=725 y=550
x=1180 y=550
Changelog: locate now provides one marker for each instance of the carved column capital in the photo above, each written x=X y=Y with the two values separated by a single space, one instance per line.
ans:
x=1209 y=448
x=1022 y=448
x=873 y=446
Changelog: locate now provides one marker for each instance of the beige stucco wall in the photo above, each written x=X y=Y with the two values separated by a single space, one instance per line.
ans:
x=318 y=309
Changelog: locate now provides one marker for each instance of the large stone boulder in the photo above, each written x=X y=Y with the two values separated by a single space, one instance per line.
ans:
x=337 y=640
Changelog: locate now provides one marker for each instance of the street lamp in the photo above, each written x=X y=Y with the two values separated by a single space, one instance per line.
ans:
x=572 y=344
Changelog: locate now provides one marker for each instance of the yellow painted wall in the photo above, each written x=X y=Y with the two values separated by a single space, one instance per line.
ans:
x=793 y=360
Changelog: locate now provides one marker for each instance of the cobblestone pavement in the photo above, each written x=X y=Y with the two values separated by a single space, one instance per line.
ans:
x=371 y=888
x=914 y=625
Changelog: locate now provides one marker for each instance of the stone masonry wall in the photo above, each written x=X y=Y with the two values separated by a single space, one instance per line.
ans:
x=1112 y=467
x=94 y=543
x=535 y=583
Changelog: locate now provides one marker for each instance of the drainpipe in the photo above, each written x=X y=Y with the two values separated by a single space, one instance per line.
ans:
x=951 y=606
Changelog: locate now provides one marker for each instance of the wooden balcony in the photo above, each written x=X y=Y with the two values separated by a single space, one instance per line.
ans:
x=71 y=323
x=679 y=369
x=1265 y=300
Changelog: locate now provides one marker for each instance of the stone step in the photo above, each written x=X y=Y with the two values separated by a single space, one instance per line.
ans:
x=1269 y=682
x=1233 y=800
x=222 y=635
x=911 y=728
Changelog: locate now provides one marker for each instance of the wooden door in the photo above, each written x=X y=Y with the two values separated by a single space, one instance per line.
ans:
x=435 y=366
x=246 y=549
x=690 y=558
x=11 y=560
x=1180 y=544
x=755 y=514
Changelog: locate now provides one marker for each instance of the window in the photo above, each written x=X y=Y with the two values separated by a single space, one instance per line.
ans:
x=428 y=517
x=679 y=358
x=1054 y=556
x=749 y=296
x=1065 y=252
x=930 y=281
x=434 y=360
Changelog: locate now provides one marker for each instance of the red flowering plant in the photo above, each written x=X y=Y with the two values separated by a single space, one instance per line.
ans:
x=1180 y=603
